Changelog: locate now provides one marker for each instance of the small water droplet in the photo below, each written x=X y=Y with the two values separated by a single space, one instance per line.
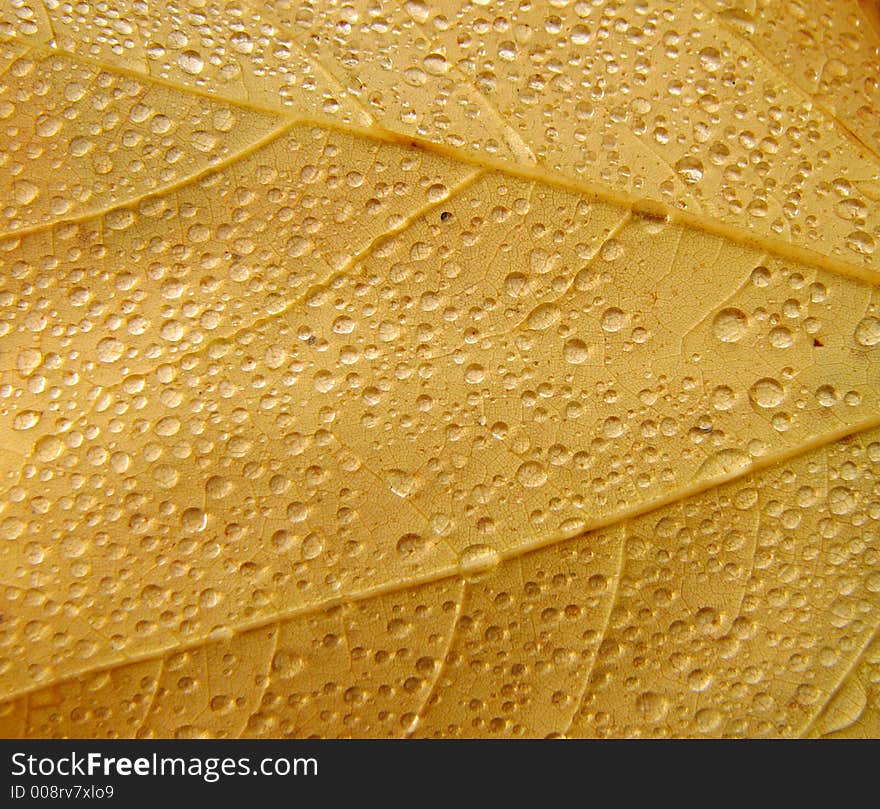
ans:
x=531 y=475
x=767 y=393
x=730 y=325
x=868 y=331
x=476 y=558
x=191 y=62
x=690 y=169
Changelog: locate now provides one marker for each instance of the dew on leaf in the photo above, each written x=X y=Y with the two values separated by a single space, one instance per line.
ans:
x=767 y=393
x=730 y=325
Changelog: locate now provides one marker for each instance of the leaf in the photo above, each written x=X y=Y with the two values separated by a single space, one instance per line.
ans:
x=492 y=371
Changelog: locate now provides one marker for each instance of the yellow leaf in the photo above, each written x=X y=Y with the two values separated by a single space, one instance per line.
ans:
x=471 y=369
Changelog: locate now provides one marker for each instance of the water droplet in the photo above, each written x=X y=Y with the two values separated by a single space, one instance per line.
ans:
x=48 y=126
x=412 y=547
x=476 y=558
x=531 y=475
x=417 y=10
x=841 y=501
x=167 y=426
x=400 y=482
x=543 y=317
x=165 y=476
x=286 y=664
x=723 y=464
x=26 y=419
x=690 y=170
x=781 y=337
x=652 y=706
x=767 y=393
x=868 y=332
x=312 y=547
x=24 y=192
x=730 y=325
x=435 y=64
x=28 y=360
x=710 y=59
x=193 y=520
x=474 y=374
x=191 y=62
x=437 y=193
x=575 y=352
x=109 y=349
x=48 y=448
x=613 y=320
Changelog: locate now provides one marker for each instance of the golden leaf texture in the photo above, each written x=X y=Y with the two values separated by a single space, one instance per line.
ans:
x=457 y=369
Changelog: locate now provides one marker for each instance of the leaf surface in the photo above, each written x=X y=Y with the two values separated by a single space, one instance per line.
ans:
x=478 y=370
